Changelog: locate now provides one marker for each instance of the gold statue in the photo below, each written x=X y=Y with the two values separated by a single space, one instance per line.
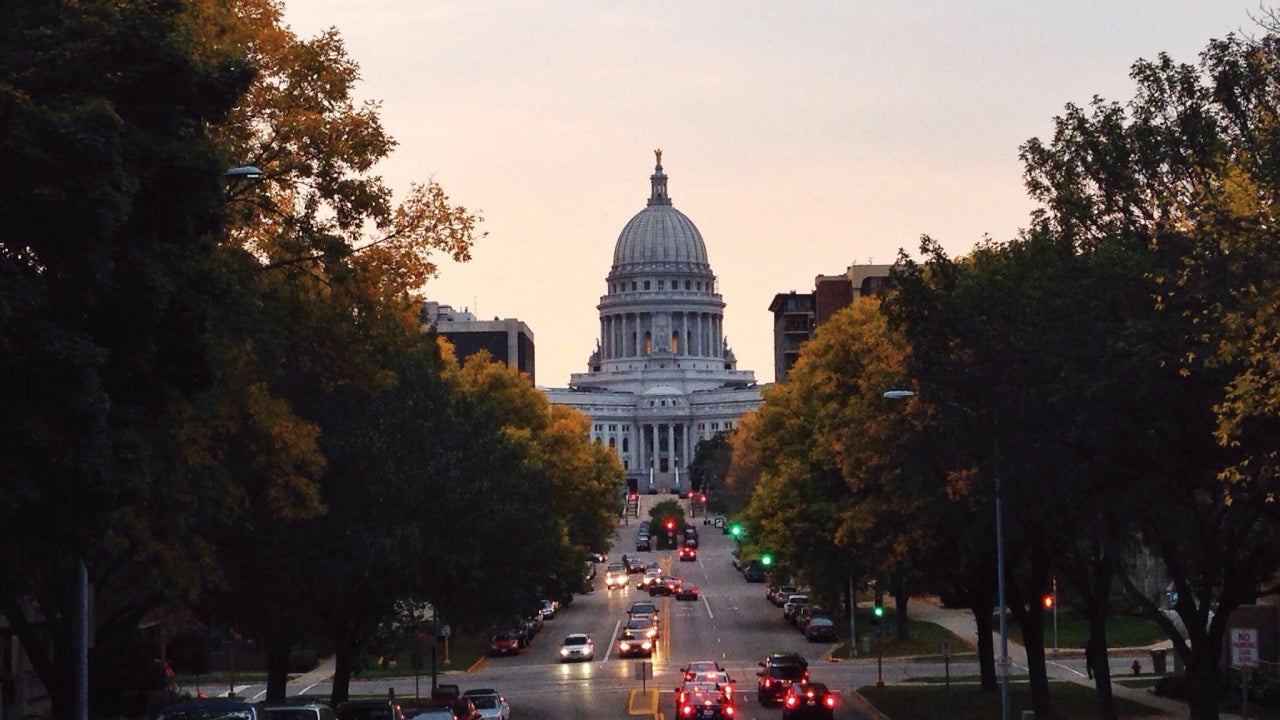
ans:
x=658 y=154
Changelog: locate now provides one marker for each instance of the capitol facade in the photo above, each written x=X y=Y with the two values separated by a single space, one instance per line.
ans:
x=662 y=376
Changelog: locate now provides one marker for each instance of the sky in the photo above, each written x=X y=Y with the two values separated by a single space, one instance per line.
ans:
x=799 y=137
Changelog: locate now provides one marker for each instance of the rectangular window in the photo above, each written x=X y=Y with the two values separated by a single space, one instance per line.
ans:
x=646 y=284
x=661 y=284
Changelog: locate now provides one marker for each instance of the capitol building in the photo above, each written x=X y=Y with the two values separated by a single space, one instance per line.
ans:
x=662 y=376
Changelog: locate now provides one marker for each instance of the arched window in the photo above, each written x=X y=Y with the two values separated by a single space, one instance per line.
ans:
x=675 y=343
x=648 y=343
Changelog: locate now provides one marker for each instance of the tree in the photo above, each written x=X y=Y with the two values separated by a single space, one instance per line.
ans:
x=110 y=273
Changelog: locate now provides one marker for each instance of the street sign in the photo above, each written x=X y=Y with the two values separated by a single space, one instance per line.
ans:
x=718 y=522
x=946 y=649
x=1244 y=646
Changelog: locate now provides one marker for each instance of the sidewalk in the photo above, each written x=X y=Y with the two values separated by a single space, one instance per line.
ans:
x=961 y=623
x=323 y=672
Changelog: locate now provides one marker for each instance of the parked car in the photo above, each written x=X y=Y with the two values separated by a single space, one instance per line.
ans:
x=549 y=609
x=792 y=606
x=212 y=709
x=383 y=709
x=821 y=629
x=505 y=643
x=456 y=707
x=808 y=701
x=490 y=703
x=805 y=612
x=299 y=711
x=578 y=646
x=754 y=572
x=777 y=594
x=438 y=712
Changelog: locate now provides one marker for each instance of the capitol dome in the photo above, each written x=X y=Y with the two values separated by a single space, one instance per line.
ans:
x=660 y=237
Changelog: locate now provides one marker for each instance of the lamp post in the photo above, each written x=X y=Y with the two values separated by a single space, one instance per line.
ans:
x=1003 y=665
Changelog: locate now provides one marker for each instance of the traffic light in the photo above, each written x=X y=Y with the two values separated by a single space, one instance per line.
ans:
x=766 y=560
x=671 y=525
x=702 y=497
x=1047 y=601
x=878 y=611
x=735 y=530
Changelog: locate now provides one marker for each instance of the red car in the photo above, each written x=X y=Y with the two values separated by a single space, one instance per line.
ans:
x=505 y=643
x=688 y=554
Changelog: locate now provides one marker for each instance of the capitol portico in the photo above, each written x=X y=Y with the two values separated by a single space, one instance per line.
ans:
x=662 y=376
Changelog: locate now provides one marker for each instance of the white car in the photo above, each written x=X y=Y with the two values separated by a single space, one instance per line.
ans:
x=489 y=703
x=578 y=646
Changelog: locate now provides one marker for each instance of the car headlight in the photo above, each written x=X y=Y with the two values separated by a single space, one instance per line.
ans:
x=564 y=652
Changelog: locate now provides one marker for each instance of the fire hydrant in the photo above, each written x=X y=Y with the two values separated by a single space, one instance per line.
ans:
x=1137 y=667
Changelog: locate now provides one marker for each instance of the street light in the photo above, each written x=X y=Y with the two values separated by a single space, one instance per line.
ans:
x=1004 y=665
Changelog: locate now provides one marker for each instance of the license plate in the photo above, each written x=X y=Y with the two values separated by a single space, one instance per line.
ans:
x=708 y=713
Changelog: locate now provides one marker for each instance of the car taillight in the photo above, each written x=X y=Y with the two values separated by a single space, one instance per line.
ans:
x=767 y=682
x=728 y=711
x=792 y=701
x=829 y=700
x=686 y=710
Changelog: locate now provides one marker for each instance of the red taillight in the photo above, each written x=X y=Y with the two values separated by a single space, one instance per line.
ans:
x=686 y=710
x=829 y=700
x=728 y=711
x=792 y=701
x=768 y=682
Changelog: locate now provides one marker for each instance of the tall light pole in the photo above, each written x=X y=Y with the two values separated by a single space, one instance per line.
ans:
x=1003 y=665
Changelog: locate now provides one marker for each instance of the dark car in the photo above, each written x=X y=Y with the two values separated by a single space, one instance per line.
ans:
x=461 y=708
x=808 y=701
x=212 y=709
x=370 y=710
x=665 y=586
x=704 y=701
x=688 y=553
x=644 y=607
x=821 y=629
x=779 y=671
x=754 y=573
x=299 y=711
x=687 y=591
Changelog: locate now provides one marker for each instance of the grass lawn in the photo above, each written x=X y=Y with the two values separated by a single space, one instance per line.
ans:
x=966 y=702
x=1122 y=632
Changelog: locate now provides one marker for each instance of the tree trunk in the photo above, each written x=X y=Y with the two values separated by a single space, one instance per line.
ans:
x=986 y=649
x=1096 y=649
x=343 y=663
x=900 y=599
x=1204 y=683
x=278 y=648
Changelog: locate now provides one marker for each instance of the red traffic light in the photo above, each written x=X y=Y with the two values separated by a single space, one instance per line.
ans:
x=671 y=524
x=702 y=497
x=1047 y=601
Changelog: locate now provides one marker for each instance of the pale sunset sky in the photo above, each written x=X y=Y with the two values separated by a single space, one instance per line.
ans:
x=800 y=137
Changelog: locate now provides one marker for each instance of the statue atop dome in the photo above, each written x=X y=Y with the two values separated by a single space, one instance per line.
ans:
x=658 y=154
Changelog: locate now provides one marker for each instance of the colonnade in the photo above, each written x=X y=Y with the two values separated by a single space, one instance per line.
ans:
x=638 y=334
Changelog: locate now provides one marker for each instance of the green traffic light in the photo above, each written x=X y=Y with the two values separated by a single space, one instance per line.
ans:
x=878 y=611
x=735 y=530
x=766 y=560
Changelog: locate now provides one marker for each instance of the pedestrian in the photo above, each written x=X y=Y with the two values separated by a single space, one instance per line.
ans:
x=1089 y=649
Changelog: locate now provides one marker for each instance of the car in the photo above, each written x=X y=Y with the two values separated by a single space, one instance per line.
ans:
x=490 y=703
x=577 y=646
x=635 y=643
x=212 y=709
x=754 y=573
x=643 y=607
x=549 y=609
x=300 y=711
x=808 y=701
x=615 y=576
x=646 y=625
x=705 y=701
x=778 y=594
x=651 y=574
x=692 y=670
x=821 y=629
x=688 y=553
x=438 y=712
x=805 y=612
x=642 y=543
x=687 y=591
x=634 y=565
x=599 y=557
x=507 y=642
x=665 y=586
x=792 y=606
x=778 y=672
x=372 y=709
x=446 y=706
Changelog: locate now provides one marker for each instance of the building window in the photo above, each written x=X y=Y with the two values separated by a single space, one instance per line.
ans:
x=686 y=284
x=699 y=284
x=661 y=284
x=715 y=426
x=675 y=343
x=646 y=284
x=633 y=286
